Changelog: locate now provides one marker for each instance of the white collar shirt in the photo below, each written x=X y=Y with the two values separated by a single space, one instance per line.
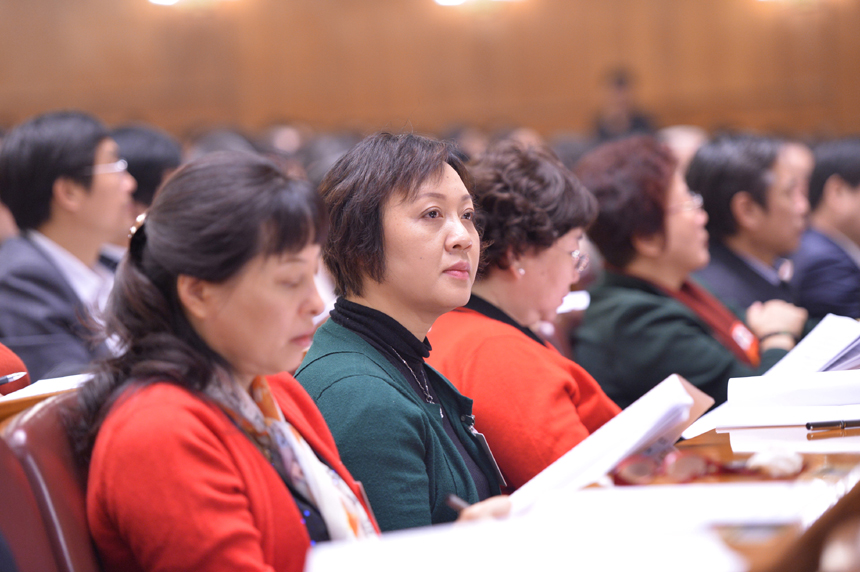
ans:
x=92 y=285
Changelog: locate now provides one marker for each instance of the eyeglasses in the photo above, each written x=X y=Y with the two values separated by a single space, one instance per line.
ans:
x=580 y=260
x=694 y=203
x=115 y=167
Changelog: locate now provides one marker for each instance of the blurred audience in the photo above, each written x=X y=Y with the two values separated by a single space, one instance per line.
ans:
x=757 y=207
x=531 y=402
x=827 y=264
x=619 y=116
x=63 y=181
x=684 y=141
x=647 y=319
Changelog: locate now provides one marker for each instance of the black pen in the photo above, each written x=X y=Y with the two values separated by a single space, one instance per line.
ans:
x=12 y=377
x=456 y=503
x=819 y=425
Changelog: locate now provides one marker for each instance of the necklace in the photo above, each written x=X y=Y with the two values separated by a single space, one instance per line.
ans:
x=425 y=387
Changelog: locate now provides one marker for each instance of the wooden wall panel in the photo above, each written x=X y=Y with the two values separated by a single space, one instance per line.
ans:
x=788 y=66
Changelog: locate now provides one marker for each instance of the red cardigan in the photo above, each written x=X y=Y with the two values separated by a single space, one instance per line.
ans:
x=532 y=404
x=174 y=485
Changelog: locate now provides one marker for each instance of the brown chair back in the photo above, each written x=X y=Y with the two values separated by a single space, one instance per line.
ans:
x=38 y=438
x=21 y=521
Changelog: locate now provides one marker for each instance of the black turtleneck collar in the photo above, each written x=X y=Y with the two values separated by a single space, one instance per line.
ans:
x=389 y=337
x=481 y=306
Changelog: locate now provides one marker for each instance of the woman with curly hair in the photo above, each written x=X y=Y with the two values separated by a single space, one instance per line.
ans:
x=532 y=403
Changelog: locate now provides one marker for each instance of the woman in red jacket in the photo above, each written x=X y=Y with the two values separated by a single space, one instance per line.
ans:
x=198 y=460
x=532 y=403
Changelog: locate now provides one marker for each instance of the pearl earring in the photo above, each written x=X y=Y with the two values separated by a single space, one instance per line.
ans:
x=521 y=271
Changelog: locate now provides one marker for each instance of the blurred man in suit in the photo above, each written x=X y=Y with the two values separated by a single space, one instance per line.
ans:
x=827 y=265
x=63 y=181
x=757 y=207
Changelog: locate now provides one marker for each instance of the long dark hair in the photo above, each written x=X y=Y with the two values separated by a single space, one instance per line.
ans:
x=211 y=217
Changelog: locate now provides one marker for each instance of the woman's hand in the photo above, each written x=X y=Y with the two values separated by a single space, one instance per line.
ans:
x=777 y=323
x=494 y=507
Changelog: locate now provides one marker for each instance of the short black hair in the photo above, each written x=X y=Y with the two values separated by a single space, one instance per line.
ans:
x=840 y=157
x=727 y=165
x=51 y=146
x=356 y=190
x=526 y=200
x=150 y=153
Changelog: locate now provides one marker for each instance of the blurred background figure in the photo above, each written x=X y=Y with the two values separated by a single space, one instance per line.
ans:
x=152 y=155
x=619 y=116
x=684 y=141
x=827 y=264
x=64 y=182
x=647 y=318
x=757 y=206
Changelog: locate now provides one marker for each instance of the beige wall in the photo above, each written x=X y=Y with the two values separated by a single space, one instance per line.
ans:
x=789 y=66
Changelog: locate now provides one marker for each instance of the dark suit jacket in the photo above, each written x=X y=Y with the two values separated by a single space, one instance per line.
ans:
x=826 y=279
x=735 y=283
x=41 y=318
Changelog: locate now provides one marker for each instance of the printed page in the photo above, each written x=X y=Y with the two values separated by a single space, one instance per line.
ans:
x=824 y=344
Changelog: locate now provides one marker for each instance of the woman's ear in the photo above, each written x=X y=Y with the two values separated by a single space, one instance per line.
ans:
x=194 y=295
x=514 y=268
x=649 y=246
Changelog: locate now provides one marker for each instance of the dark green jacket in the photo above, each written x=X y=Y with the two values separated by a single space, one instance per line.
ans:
x=389 y=438
x=633 y=336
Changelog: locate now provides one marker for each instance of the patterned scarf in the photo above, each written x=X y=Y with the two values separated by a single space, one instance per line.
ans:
x=259 y=416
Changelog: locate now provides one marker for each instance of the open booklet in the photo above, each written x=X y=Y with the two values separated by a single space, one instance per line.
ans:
x=833 y=345
x=655 y=421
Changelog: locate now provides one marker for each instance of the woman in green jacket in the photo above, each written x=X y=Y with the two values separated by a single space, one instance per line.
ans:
x=647 y=318
x=403 y=249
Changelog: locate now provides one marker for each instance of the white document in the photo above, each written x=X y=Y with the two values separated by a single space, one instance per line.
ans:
x=796 y=439
x=46 y=386
x=656 y=419
x=563 y=543
x=791 y=399
x=833 y=344
x=758 y=415
x=819 y=388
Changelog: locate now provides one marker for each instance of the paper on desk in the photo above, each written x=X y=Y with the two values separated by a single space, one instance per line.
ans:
x=754 y=440
x=757 y=415
x=564 y=542
x=819 y=388
x=50 y=385
x=665 y=509
x=656 y=419
x=832 y=344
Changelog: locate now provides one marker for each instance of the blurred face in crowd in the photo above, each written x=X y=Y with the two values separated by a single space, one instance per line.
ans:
x=431 y=250
x=780 y=225
x=547 y=277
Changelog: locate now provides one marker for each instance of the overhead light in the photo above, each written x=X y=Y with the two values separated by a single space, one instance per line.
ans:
x=164 y=2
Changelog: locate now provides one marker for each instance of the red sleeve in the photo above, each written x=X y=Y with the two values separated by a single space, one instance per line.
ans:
x=533 y=404
x=170 y=493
